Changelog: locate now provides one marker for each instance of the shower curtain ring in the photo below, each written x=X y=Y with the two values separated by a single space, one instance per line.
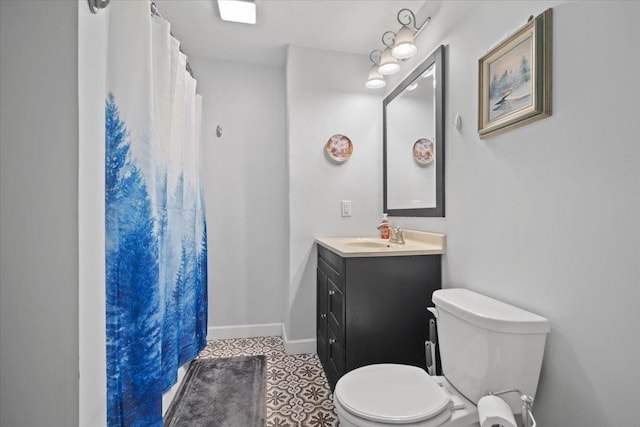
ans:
x=94 y=5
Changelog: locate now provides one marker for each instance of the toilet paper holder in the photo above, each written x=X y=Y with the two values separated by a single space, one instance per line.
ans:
x=527 y=406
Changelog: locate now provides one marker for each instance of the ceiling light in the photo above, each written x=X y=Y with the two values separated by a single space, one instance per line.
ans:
x=243 y=11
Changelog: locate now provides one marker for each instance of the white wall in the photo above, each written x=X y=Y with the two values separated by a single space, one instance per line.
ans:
x=245 y=176
x=546 y=216
x=325 y=96
x=38 y=213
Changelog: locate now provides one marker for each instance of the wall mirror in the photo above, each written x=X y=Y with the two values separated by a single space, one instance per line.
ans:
x=413 y=142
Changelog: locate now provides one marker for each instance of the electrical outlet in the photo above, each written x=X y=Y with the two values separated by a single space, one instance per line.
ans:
x=346 y=208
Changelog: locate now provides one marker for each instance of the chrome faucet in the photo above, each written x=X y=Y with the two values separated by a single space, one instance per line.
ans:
x=396 y=234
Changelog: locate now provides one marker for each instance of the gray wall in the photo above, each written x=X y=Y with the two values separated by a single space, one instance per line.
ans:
x=38 y=213
x=244 y=176
x=546 y=215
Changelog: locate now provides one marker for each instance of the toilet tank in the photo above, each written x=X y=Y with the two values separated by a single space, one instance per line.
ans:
x=487 y=345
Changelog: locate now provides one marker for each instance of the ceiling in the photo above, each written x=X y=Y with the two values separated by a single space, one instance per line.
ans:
x=352 y=26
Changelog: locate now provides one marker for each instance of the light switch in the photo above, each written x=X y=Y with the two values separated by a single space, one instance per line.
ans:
x=346 y=208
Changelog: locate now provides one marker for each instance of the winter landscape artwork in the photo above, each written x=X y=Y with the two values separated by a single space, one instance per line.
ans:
x=510 y=85
x=515 y=79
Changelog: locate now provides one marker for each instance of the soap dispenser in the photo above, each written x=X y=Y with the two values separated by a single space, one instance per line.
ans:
x=384 y=227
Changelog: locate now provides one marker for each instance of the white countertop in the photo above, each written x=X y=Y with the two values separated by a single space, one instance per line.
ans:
x=416 y=243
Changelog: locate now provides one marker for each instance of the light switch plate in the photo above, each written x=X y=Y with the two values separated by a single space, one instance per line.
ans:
x=346 y=208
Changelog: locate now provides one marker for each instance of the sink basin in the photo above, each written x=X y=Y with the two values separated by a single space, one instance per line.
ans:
x=417 y=243
x=368 y=244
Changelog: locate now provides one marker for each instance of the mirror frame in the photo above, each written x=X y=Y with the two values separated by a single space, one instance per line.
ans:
x=437 y=58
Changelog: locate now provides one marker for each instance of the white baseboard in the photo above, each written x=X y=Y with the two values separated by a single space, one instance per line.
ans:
x=297 y=346
x=167 y=396
x=300 y=346
x=244 y=331
x=262 y=330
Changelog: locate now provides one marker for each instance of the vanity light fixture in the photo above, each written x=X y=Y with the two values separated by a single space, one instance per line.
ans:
x=400 y=46
x=375 y=80
x=243 y=11
x=405 y=46
x=388 y=62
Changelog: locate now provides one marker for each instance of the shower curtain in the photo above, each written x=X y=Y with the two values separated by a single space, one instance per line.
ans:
x=156 y=241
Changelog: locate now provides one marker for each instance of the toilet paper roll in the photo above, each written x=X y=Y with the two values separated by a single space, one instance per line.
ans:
x=494 y=411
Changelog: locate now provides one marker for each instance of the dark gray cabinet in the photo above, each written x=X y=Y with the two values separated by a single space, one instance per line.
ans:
x=373 y=310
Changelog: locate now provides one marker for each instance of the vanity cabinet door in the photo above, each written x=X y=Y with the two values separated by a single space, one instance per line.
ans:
x=335 y=310
x=333 y=265
x=334 y=368
x=387 y=319
x=321 y=317
x=330 y=317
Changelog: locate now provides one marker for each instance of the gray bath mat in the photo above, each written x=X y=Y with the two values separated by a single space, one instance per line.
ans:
x=227 y=392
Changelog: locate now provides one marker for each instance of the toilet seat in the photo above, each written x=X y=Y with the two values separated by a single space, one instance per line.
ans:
x=392 y=394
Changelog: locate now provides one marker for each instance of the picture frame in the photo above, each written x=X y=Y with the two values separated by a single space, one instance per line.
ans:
x=515 y=79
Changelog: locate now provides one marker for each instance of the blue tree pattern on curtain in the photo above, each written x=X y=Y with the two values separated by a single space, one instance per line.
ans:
x=150 y=331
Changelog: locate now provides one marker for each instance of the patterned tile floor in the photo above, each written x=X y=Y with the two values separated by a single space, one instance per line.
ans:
x=298 y=394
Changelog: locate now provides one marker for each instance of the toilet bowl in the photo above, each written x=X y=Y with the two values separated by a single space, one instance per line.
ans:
x=392 y=394
x=486 y=346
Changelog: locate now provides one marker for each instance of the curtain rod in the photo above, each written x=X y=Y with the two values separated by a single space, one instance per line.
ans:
x=155 y=12
x=94 y=5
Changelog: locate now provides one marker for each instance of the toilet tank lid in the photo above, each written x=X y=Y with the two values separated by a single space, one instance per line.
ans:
x=489 y=313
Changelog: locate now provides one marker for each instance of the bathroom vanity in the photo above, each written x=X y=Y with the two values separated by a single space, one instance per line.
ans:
x=372 y=299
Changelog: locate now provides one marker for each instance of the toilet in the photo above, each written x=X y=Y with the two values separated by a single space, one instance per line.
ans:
x=486 y=346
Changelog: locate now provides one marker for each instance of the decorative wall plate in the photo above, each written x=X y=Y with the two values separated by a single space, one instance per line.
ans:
x=423 y=151
x=339 y=148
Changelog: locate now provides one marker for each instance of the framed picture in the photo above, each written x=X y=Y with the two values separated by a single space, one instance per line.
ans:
x=515 y=79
